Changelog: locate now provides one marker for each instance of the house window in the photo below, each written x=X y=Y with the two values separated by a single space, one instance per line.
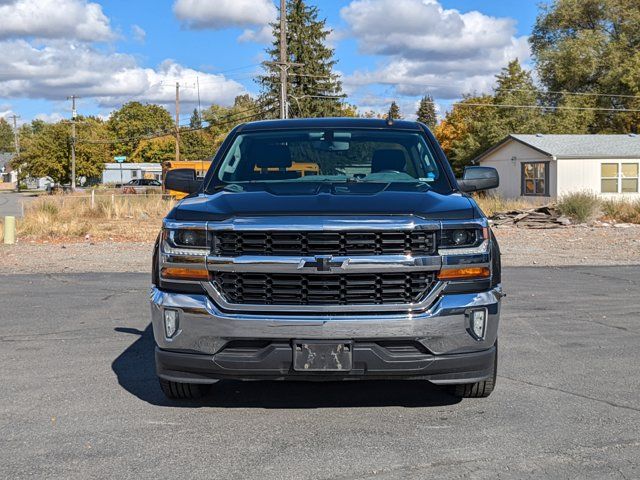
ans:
x=535 y=178
x=619 y=178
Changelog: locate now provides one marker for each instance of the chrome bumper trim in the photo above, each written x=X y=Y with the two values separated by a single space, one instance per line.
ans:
x=442 y=329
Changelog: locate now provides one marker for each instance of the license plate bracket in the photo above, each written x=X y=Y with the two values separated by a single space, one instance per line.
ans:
x=322 y=355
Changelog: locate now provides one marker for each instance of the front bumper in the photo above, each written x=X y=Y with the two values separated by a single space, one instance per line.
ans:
x=451 y=354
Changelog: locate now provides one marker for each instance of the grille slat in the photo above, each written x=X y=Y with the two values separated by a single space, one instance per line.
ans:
x=317 y=289
x=232 y=244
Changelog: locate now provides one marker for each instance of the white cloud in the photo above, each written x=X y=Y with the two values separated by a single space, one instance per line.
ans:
x=260 y=35
x=58 y=68
x=71 y=19
x=430 y=49
x=139 y=34
x=53 y=117
x=220 y=14
x=5 y=112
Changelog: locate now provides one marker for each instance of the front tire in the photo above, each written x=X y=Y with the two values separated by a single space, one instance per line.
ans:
x=182 y=391
x=479 y=389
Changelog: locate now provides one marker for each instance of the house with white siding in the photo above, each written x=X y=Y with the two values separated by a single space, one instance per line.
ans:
x=542 y=167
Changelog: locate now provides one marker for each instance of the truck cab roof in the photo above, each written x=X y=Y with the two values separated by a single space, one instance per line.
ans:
x=329 y=123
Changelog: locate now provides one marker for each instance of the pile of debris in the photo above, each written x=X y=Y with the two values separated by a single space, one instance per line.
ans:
x=546 y=216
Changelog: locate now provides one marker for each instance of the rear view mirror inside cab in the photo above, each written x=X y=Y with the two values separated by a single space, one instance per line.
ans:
x=330 y=141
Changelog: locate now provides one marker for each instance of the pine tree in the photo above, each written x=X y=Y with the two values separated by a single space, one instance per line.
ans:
x=394 y=111
x=515 y=87
x=196 y=120
x=6 y=136
x=427 y=112
x=306 y=44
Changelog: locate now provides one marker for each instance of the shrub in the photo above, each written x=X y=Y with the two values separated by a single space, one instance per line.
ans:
x=580 y=206
x=622 y=211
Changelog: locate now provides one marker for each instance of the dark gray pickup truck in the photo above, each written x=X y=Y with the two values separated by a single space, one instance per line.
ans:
x=327 y=249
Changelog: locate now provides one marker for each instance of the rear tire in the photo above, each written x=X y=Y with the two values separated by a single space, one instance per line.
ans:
x=479 y=389
x=182 y=391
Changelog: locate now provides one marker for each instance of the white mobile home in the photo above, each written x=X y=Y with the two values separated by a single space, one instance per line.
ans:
x=541 y=167
x=130 y=171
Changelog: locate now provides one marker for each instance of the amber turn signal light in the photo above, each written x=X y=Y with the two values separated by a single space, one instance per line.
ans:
x=185 y=274
x=464 y=273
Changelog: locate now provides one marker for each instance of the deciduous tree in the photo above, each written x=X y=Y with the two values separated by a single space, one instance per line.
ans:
x=134 y=121
x=592 y=47
x=46 y=149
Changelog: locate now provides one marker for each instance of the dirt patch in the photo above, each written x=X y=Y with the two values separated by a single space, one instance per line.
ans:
x=76 y=257
x=520 y=247
x=579 y=245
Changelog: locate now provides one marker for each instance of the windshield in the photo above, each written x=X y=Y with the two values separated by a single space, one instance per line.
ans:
x=331 y=156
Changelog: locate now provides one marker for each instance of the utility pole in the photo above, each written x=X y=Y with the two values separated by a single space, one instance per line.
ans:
x=16 y=137
x=177 y=121
x=74 y=115
x=199 y=106
x=284 y=113
x=283 y=64
x=16 y=142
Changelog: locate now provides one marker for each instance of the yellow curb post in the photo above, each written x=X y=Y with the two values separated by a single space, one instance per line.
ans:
x=9 y=230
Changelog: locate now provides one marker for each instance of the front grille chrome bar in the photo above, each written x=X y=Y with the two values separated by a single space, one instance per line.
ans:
x=323 y=264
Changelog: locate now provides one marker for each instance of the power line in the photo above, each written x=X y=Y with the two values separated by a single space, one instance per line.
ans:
x=564 y=92
x=170 y=132
x=548 y=107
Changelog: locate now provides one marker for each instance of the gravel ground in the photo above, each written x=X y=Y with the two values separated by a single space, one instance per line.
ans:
x=520 y=247
x=580 y=245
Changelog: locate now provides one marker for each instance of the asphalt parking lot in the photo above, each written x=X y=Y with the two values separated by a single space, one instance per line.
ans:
x=11 y=203
x=79 y=398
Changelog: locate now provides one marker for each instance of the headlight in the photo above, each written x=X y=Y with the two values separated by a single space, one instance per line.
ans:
x=185 y=242
x=190 y=238
x=461 y=238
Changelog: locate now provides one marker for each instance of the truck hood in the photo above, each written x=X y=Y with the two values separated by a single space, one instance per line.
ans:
x=228 y=204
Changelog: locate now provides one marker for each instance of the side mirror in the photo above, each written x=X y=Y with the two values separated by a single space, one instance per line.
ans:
x=476 y=179
x=182 y=180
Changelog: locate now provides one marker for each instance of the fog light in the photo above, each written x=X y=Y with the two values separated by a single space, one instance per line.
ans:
x=170 y=323
x=478 y=323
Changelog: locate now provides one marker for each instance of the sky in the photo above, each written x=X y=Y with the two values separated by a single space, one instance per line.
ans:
x=109 y=52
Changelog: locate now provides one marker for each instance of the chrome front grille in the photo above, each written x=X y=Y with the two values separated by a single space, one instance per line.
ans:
x=321 y=289
x=413 y=242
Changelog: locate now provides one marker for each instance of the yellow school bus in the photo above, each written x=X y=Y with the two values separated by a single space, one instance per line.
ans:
x=305 y=168
x=201 y=167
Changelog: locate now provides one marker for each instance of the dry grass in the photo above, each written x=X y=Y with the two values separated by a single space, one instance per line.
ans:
x=621 y=211
x=491 y=204
x=70 y=217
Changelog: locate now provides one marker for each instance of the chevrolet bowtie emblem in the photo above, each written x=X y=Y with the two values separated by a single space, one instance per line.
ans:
x=323 y=263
